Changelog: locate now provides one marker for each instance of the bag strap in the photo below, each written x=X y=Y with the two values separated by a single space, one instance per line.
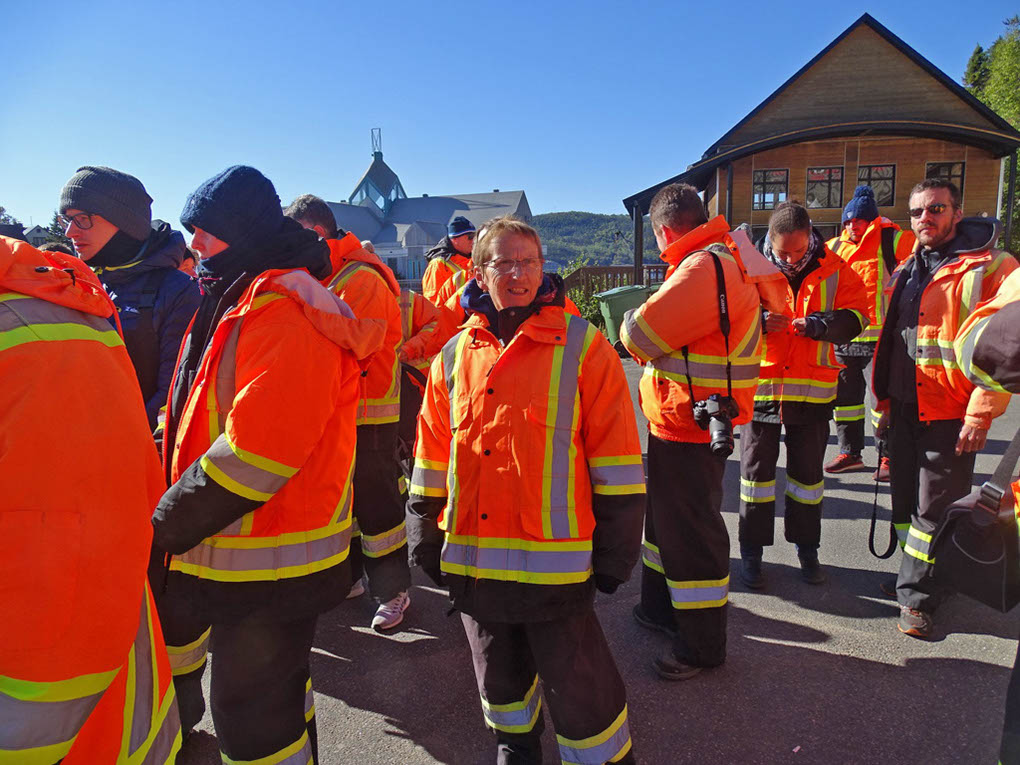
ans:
x=724 y=327
x=874 y=522
x=889 y=249
x=995 y=488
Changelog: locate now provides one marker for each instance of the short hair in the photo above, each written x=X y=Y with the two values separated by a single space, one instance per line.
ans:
x=190 y=254
x=678 y=207
x=492 y=230
x=56 y=247
x=366 y=244
x=314 y=211
x=939 y=183
x=789 y=217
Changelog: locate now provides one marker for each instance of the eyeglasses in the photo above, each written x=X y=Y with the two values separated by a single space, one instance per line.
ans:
x=81 y=220
x=935 y=209
x=507 y=266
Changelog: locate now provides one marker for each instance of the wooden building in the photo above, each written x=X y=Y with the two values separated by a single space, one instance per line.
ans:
x=868 y=109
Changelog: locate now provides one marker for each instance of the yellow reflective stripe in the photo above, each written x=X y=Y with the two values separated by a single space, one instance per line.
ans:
x=298 y=752
x=264 y=299
x=58 y=690
x=259 y=575
x=56 y=333
x=757 y=491
x=230 y=484
x=263 y=463
x=651 y=334
x=550 y=432
x=378 y=545
x=608 y=746
x=806 y=494
x=39 y=755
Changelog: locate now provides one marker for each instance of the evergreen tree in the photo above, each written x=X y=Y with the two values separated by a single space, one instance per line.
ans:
x=976 y=75
x=55 y=231
x=6 y=219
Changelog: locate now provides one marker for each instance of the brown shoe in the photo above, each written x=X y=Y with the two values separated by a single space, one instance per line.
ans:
x=669 y=667
x=915 y=623
x=882 y=474
x=888 y=587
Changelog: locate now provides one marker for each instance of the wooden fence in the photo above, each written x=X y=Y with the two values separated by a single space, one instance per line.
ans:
x=601 y=278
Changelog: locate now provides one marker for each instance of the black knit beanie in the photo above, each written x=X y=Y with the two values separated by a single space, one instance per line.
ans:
x=117 y=196
x=239 y=206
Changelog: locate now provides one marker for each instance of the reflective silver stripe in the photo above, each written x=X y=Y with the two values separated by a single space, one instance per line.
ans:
x=559 y=463
x=812 y=392
x=709 y=372
x=848 y=413
x=309 y=701
x=382 y=544
x=514 y=717
x=36 y=311
x=603 y=747
x=36 y=724
x=142 y=714
x=690 y=595
x=617 y=479
x=806 y=494
x=757 y=491
x=428 y=479
x=516 y=560
x=225 y=384
x=167 y=740
x=298 y=753
x=940 y=351
x=650 y=556
x=634 y=336
x=187 y=658
x=250 y=476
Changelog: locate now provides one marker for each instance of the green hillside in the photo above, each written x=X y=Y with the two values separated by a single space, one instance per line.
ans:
x=604 y=239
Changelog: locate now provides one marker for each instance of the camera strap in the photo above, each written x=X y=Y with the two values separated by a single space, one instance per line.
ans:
x=724 y=327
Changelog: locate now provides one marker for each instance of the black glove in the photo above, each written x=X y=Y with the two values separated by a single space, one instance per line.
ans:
x=607 y=584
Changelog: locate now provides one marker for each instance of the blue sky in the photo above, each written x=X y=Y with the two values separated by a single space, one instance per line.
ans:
x=580 y=104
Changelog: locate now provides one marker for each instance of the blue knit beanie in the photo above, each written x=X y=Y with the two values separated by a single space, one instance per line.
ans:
x=861 y=206
x=239 y=206
x=460 y=226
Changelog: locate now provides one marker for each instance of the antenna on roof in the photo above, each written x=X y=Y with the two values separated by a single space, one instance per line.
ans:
x=377 y=141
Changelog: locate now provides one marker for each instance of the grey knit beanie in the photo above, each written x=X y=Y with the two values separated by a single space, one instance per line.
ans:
x=117 y=196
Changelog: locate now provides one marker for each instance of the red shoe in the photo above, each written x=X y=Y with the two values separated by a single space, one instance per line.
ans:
x=882 y=474
x=844 y=462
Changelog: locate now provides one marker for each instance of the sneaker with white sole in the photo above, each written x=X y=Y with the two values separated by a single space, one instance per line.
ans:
x=391 y=613
x=357 y=589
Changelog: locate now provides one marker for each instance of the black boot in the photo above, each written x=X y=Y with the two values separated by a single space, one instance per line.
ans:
x=750 y=573
x=810 y=569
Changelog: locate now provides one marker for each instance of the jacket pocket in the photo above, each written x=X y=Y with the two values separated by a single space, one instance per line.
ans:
x=39 y=575
x=551 y=455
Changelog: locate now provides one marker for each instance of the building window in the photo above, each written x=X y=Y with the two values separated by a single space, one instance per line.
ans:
x=824 y=187
x=827 y=230
x=882 y=179
x=769 y=188
x=949 y=171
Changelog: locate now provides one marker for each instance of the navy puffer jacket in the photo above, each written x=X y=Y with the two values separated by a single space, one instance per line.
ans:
x=153 y=349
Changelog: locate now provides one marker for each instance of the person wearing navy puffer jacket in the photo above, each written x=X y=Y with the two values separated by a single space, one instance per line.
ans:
x=107 y=215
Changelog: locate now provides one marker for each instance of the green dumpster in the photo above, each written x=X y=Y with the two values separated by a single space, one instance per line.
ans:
x=616 y=302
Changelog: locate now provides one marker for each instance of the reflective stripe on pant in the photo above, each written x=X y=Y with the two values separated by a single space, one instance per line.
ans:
x=581 y=683
x=686 y=560
x=759 y=453
x=853 y=405
x=379 y=511
x=926 y=476
x=187 y=645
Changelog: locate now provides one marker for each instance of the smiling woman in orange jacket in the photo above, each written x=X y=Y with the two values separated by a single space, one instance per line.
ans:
x=533 y=471
x=84 y=676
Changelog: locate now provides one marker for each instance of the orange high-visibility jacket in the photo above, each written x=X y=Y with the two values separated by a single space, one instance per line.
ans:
x=84 y=674
x=992 y=361
x=943 y=390
x=453 y=314
x=869 y=261
x=420 y=329
x=795 y=367
x=371 y=290
x=439 y=271
x=685 y=312
x=270 y=419
x=518 y=441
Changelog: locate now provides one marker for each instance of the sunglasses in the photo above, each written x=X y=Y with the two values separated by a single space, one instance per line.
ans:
x=935 y=209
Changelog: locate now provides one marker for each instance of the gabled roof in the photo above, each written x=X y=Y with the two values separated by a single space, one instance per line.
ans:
x=477 y=208
x=357 y=219
x=898 y=92
x=381 y=176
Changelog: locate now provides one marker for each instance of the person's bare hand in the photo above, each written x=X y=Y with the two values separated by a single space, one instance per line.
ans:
x=776 y=322
x=799 y=326
x=972 y=439
x=882 y=427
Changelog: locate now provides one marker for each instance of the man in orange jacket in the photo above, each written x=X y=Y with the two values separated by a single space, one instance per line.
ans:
x=449 y=260
x=84 y=676
x=364 y=283
x=872 y=246
x=937 y=420
x=795 y=392
x=533 y=472
x=689 y=358
x=260 y=452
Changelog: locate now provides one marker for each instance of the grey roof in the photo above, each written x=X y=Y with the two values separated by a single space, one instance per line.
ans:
x=381 y=176
x=477 y=208
x=360 y=221
x=36 y=230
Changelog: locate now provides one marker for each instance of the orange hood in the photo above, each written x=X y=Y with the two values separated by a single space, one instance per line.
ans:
x=348 y=248
x=53 y=277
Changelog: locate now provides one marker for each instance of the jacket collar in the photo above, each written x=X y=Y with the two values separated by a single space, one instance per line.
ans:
x=696 y=239
x=547 y=325
x=347 y=249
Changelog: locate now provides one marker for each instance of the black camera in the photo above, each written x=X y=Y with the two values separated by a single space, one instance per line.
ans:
x=715 y=414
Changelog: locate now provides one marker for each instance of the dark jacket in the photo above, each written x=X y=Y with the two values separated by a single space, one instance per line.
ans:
x=443 y=249
x=155 y=302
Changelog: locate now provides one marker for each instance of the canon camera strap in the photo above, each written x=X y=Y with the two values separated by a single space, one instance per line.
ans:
x=724 y=327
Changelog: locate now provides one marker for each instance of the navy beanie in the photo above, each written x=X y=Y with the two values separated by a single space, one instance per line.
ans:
x=116 y=196
x=460 y=226
x=239 y=206
x=862 y=206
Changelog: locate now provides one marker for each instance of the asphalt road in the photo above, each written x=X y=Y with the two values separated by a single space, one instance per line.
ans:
x=814 y=674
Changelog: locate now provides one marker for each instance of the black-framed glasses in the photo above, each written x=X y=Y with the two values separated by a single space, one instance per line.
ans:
x=81 y=220
x=935 y=209
x=507 y=266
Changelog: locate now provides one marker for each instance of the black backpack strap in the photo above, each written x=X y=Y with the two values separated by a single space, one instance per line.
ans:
x=995 y=488
x=889 y=249
x=150 y=288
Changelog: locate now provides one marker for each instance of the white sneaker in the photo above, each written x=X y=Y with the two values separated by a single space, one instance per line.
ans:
x=391 y=613
x=357 y=589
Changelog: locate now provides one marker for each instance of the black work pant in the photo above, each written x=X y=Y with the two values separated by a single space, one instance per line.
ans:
x=686 y=556
x=580 y=681
x=805 y=483
x=852 y=403
x=926 y=476
x=261 y=691
x=379 y=512
x=1009 y=750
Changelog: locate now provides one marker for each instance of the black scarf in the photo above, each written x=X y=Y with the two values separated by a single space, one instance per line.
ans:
x=504 y=324
x=119 y=250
